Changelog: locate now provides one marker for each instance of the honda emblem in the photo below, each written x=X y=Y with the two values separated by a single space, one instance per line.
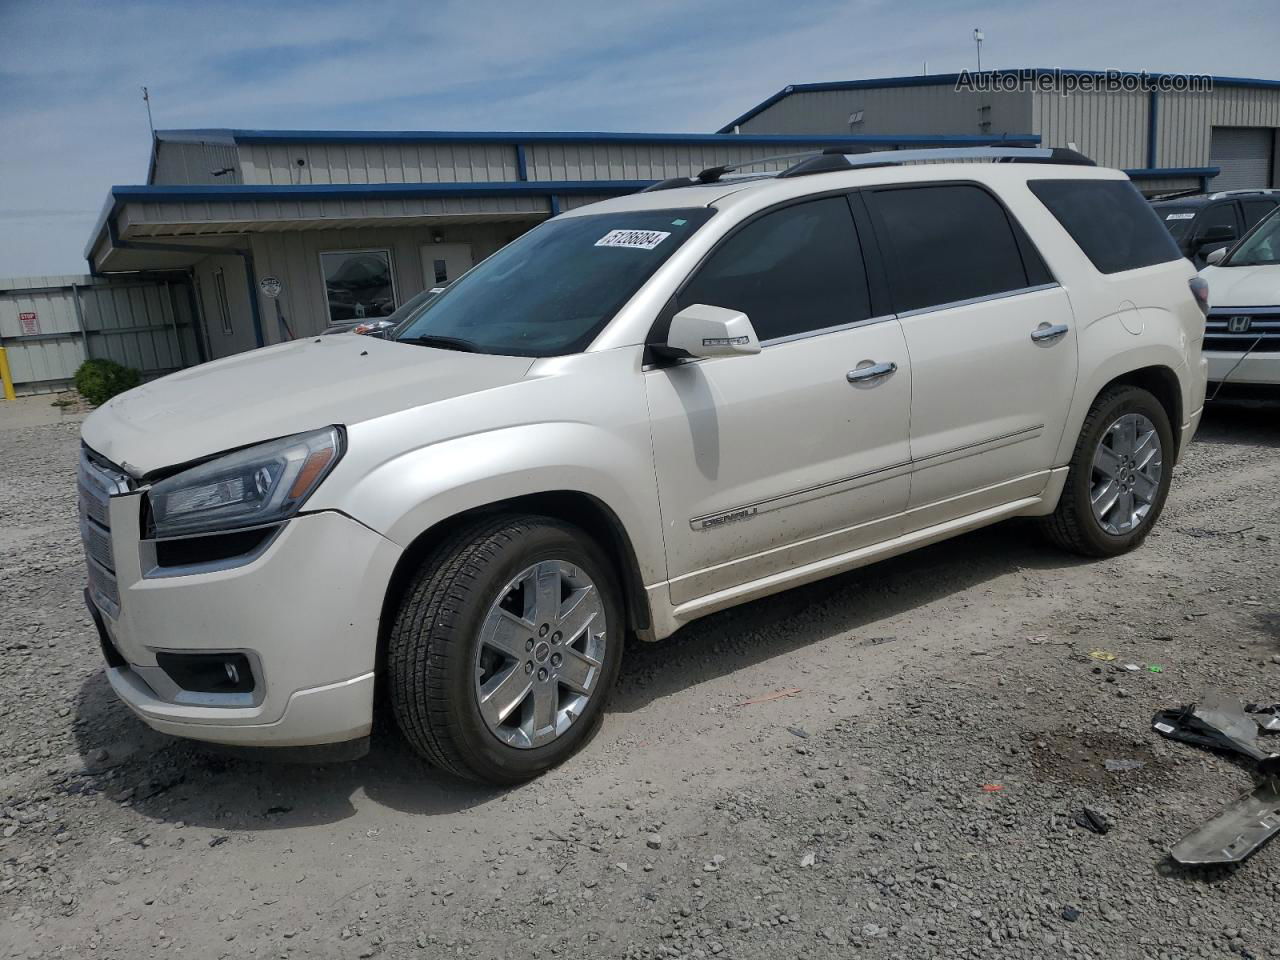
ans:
x=1239 y=324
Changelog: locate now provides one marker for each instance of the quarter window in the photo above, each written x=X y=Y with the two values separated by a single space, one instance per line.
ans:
x=357 y=284
x=949 y=243
x=792 y=271
x=1110 y=221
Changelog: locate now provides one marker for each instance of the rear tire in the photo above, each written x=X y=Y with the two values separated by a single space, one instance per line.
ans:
x=505 y=647
x=1118 y=478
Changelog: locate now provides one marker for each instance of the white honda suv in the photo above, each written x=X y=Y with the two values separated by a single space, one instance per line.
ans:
x=1242 y=334
x=638 y=413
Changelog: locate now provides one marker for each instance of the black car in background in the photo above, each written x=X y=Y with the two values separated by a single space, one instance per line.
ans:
x=1204 y=222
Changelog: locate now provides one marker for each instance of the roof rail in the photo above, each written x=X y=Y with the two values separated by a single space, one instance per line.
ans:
x=714 y=174
x=835 y=159
x=1237 y=193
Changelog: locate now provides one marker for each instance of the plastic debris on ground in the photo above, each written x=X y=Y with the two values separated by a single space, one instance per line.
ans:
x=1242 y=828
x=1093 y=820
x=1103 y=655
x=1120 y=766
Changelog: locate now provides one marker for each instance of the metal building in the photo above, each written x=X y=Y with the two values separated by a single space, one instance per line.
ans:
x=1168 y=131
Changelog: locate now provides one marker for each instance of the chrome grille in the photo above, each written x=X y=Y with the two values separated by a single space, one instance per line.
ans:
x=97 y=484
x=1262 y=327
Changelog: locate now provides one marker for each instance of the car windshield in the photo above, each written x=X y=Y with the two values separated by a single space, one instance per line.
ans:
x=1176 y=217
x=1260 y=248
x=552 y=290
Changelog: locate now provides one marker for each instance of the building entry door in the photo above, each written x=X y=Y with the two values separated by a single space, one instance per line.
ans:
x=443 y=263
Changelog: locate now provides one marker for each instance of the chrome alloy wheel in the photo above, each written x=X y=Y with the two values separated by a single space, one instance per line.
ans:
x=1126 y=474
x=540 y=656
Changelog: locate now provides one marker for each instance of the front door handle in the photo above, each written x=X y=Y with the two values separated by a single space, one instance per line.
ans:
x=1048 y=333
x=873 y=373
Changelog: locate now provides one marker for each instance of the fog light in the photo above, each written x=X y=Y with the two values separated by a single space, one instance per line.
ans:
x=208 y=672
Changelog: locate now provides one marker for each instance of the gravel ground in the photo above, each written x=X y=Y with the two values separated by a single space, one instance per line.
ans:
x=903 y=785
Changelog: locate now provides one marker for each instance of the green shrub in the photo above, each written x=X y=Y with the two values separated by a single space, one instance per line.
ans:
x=100 y=380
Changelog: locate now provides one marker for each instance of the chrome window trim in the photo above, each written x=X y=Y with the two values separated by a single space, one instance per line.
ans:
x=1003 y=295
x=822 y=331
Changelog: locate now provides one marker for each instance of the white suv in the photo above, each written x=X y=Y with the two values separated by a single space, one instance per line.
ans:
x=636 y=414
x=1242 y=337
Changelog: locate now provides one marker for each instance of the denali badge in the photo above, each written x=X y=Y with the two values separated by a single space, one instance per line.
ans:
x=1239 y=324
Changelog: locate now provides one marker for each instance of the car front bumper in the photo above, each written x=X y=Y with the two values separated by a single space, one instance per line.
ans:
x=1257 y=368
x=304 y=612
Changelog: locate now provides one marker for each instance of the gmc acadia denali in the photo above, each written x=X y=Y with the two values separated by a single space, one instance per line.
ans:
x=639 y=412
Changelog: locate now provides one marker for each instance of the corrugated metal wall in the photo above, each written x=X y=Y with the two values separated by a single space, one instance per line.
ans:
x=377 y=163
x=640 y=161
x=195 y=163
x=144 y=324
x=1187 y=120
x=895 y=110
x=1110 y=128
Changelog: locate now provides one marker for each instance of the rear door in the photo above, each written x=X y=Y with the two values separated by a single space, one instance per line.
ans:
x=992 y=344
x=1255 y=210
x=801 y=452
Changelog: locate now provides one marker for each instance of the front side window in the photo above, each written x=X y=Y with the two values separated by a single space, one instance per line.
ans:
x=1261 y=248
x=357 y=284
x=1110 y=221
x=1220 y=218
x=552 y=290
x=793 y=271
x=949 y=243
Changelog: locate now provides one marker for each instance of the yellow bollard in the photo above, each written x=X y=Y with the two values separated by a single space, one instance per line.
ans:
x=6 y=377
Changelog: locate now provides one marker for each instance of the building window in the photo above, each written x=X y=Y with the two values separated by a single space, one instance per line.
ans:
x=357 y=284
x=224 y=305
x=441 y=271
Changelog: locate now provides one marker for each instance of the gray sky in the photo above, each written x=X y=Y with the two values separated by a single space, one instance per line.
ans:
x=72 y=122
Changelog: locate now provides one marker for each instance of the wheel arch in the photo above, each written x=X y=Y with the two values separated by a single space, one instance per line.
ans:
x=1161 y=382
x=595 y=517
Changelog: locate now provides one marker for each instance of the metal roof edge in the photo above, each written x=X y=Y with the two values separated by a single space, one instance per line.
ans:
x=950 y=79
x=1149 y=173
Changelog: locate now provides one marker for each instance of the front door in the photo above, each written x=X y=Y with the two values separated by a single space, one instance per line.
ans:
x=992 y=344
x=443 y=263
x=766 y=463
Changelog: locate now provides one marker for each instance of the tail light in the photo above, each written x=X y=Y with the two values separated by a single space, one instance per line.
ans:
x=1200 y=290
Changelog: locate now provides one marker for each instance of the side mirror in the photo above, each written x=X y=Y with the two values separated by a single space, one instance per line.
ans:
x=700 y=330
x=1216 y=257
x=1220 y=233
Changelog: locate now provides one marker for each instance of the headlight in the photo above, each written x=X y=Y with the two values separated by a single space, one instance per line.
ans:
x=251 y=487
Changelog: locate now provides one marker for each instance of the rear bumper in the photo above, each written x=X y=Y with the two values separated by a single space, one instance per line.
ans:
x=1262 y=369
x=305 y=613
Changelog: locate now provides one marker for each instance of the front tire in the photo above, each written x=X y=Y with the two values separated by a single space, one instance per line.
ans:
x=505 y=648
x=1119 y=476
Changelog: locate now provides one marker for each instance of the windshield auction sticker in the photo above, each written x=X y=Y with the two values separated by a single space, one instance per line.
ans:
x=1181 y=216
x=634 y=239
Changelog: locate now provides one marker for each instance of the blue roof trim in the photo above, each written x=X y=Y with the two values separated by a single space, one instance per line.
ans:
x=949 y=79
x=1151 y=173
x=517 y=138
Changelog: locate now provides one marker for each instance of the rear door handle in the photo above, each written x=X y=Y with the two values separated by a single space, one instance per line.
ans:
x=875 y=372
x=1048 y=333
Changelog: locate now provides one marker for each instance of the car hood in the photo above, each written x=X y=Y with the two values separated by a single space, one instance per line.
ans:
x=1243 y=286
x=282 y=390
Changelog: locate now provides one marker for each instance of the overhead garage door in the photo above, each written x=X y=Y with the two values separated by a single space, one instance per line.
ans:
x=1244 y=155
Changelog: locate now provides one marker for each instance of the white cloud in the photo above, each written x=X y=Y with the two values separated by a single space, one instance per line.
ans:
x=72 y=122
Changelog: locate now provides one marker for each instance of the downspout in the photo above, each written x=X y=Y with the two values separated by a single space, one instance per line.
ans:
x=243 y=252
x=1153 y=126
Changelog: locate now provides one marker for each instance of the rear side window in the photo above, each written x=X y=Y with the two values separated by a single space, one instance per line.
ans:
x=1110 y=221
x=949 y=243
x=1255 y=210
x=795 y=270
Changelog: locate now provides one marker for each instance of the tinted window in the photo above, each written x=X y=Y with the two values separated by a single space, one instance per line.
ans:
x=792 y=271
x=1218 y=215
x=1109 y=220
x=947 y=243
x=550 y=291
x=1255 y=210
x=1177 y=218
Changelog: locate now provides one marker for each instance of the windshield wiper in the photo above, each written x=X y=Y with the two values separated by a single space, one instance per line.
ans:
x=444 y=343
